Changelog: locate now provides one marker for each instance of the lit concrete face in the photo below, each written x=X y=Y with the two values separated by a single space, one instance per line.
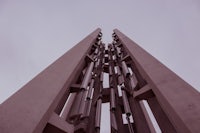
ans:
x=67 y=96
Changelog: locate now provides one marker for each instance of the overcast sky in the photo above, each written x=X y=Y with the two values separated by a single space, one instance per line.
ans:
x=34 y=33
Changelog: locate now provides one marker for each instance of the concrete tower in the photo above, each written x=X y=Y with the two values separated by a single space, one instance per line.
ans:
x=67 y=96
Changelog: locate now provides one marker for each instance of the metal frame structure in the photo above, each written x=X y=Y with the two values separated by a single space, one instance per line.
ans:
x=67 y=96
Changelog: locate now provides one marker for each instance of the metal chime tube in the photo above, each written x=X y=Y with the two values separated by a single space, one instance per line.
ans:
x=113 y=121
x=109 y=57
x=98 y=114
x=127 y=109
x=96 y=63
x=89 y=95
x=101 y=77
x=82 y=103
x=125 y=69
x=133 y=82
x=126 y=103
x=118 y=71
x=88 y=108
x=103 y=61
x=87 y=76
x=114 y=57
x=110 y=70
x=130 y=128
x=121 y=79
x=112 y=99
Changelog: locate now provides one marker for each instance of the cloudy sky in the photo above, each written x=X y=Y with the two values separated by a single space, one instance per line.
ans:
x=34 y=33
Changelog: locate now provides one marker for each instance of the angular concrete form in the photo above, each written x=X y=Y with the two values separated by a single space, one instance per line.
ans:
x=67 y=96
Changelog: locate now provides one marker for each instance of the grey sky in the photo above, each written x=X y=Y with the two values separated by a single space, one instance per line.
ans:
x=34 y=33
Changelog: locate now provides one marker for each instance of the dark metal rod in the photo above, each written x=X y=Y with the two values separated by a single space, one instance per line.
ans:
x=129 y=125
x=98 y=114
x=103 y=61
x=101 y=77
x=87 y=76
x=109 y=57
x=112 y=99
x=113 y=121
x=110 y=70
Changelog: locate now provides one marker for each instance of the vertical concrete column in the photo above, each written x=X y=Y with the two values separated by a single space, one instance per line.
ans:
x=28 y=110
x=178 y=99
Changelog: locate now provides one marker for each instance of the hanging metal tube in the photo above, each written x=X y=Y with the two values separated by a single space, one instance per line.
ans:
x=82 y=103
x=118 y=71
x=110 y=70
x=89 y=94
x=133 y=82
x=109 y=57
x=87 y=76
x=88 y=108
x=98 y=114
x=113 y=121
x=126 y=103
x=130 y=128
x=120 y=79
x=125 y=69
x=114 y=57
x=103 y=61
x=112 y=99
x=98 y=62
x=101 y=77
